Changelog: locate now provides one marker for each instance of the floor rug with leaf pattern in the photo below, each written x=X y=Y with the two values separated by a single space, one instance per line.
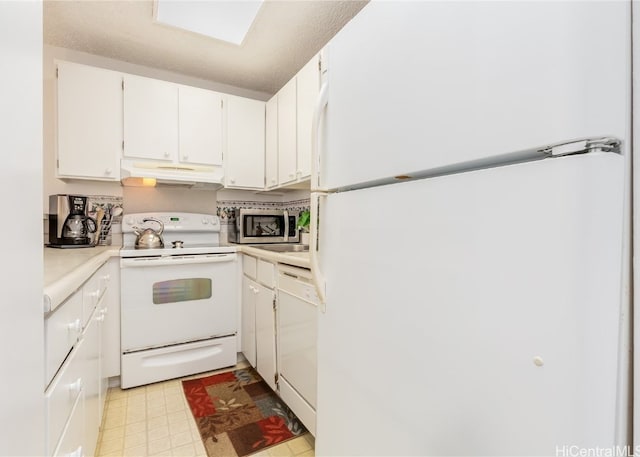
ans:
x=238 y=414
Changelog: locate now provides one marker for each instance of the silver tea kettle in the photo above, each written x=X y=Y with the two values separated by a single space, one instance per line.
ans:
x=149 y=238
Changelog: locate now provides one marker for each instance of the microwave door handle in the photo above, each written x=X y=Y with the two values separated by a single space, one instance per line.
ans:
x=286 y=226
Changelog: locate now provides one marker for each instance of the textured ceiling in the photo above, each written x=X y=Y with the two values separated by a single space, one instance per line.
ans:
x=284 y=36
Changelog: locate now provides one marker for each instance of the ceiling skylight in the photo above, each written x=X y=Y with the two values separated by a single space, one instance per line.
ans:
x=225 y=20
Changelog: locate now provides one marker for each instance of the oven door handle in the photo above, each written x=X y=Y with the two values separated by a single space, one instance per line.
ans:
x=141 y=262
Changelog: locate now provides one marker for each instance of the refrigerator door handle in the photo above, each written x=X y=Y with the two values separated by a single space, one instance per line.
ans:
x=316 y=273
x=321 y=103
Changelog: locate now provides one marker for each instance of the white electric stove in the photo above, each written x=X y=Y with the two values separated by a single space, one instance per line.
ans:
x=179 y=304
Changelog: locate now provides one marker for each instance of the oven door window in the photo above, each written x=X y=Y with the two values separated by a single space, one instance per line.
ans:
x=263 y=226
x=179 y=290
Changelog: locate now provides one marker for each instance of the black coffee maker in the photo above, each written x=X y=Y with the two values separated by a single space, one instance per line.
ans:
x=69 y=225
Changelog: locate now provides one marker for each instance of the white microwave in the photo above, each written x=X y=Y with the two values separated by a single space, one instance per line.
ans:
x=265 y=226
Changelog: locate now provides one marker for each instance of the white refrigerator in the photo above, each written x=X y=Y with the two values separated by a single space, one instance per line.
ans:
x=468 y=220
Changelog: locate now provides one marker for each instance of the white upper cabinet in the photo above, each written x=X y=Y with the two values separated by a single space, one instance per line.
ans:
x=287 y=171
x=89 y=116
x=244 y=158
x=288 y=128
x=308 y=88
x=167 y=121
x=150 y=118
x=271 y=143
x=200 y=126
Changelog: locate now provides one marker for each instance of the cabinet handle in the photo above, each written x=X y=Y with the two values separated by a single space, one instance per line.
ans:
x=100 y=318
x=108 y=171
x=185 y=157
x=292 y=175
x=76 y=453
x=75 y=387
x=75 y=326
x=166 y=154
x=104 y=311
x=232 y=180
x=273 y=180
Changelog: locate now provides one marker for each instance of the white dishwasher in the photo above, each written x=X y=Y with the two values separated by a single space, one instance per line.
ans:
x=297 y=345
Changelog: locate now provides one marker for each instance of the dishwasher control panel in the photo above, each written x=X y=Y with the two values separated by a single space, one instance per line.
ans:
x=297 y=282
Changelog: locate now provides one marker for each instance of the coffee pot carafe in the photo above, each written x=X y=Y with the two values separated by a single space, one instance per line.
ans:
x=69 y=225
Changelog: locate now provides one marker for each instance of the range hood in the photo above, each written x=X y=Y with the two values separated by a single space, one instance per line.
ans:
x=151 y=173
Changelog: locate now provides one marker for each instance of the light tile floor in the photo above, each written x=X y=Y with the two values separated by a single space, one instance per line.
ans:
x=155 y=420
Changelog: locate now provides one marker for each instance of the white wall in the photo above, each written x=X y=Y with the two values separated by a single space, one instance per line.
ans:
x=281 y=195
x=21 y=309
x=143 y=199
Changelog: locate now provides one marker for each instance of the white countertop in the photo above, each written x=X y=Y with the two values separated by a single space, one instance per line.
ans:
x=65 y=270
x=298 y=259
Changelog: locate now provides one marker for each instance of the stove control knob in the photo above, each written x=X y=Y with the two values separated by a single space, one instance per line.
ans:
x=205 y=221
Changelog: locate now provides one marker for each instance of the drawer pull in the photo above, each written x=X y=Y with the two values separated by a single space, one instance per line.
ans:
x=75 y=326
x=75 y=388
x=76 y=453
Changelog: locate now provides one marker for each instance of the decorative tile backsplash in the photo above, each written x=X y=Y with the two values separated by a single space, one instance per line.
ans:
x=225 y=207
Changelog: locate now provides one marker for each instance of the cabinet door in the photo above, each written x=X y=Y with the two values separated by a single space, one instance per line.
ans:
x=244 y=160
x=308 y=87
x=150 y=118
x=89 y=109
x=110 y=350
x=249 y=292
x=271 y=143
x=72 y=439
x=287 y=133
x=200 y=119
x=266 y=336
x=90 y=359
x=103 y=319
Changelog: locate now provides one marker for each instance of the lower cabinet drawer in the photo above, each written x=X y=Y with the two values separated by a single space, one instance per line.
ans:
x=145 y=367
x=250 y=266
x=92 y=291
x=266 y=274
x=61 y=397
x=70 y=444
x=61 y=331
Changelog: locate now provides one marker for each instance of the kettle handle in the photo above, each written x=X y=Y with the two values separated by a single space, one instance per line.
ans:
x=152 y=219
